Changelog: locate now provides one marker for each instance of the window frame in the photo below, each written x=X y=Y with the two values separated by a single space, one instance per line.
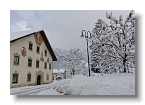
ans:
x=37 y=61
x=16 y=59
x=38 y=52
x=45 y=53
x=31 y=49
x=45 y=65
x=29 y=77
x=28 y=62
x=17 y=76
x=49 y=66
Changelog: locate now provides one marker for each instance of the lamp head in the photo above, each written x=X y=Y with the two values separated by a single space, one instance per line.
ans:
x=82 y=36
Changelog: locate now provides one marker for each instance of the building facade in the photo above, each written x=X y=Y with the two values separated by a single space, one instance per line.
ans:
x=31 y=59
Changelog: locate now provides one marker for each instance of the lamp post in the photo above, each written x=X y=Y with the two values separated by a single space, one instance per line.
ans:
x=87 y=37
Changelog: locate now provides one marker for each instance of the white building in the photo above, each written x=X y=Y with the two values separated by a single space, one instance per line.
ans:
x=31 y=59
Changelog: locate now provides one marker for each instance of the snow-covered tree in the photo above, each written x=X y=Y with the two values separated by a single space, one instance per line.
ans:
x=113 y=45
x=75 y=61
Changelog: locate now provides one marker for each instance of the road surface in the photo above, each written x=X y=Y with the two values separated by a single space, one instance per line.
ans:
x=46 y=89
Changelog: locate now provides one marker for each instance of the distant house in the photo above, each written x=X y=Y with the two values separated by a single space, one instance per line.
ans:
x=59 y=73
x=31 y=59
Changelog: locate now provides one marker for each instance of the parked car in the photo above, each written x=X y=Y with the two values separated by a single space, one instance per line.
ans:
x=58 y=78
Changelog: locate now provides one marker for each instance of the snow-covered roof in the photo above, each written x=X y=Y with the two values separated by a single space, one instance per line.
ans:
x=19 y=34
x=59 y=70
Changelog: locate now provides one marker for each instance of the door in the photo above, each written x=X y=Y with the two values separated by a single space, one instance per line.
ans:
x=38 y=80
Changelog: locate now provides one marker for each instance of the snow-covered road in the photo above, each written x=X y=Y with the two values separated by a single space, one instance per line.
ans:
x=46 y=89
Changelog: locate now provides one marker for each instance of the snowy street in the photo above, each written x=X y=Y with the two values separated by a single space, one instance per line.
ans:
x=46 y=89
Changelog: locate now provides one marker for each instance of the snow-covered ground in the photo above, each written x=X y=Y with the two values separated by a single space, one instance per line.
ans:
x=106 y=84
x=97 y=84
x=46 y=89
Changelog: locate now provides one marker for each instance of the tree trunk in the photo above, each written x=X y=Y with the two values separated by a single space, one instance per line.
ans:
x=124 y=65
x=73 y=72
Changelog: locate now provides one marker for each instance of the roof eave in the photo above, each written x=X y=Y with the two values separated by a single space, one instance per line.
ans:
x=46 y=42
x=48 y=45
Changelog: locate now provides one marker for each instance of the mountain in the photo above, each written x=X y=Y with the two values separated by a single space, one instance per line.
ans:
x=59 y=64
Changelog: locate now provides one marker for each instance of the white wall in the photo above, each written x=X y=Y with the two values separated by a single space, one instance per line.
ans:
x=23 y=69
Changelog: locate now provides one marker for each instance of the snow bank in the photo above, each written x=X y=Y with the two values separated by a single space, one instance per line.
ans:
x=106 y=84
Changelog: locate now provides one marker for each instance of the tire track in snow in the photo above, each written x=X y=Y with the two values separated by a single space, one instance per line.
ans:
x=30 y=91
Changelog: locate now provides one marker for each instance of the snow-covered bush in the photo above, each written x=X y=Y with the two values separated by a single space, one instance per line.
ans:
x=78 y=76
x=108 y=84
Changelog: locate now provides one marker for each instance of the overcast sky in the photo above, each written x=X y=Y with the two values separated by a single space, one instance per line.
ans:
x=62 y=27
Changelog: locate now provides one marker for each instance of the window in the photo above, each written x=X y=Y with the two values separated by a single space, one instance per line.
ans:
x=47 y=77
x=28 y=77
x=45 y=65
x=30 y=62
x=46 y=53
x=37 y=64
x=50 y=66
x=38 y=49
x=15 y=78
x=16 y=60
x=30 y=46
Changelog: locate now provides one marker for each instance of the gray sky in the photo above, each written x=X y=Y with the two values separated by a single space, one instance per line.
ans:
x=62 y=27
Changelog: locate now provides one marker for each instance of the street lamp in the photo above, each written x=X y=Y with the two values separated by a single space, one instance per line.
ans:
x=87 y=36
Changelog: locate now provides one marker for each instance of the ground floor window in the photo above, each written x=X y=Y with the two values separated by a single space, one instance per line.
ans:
x=47 y=76
x=15 y=78
x=28 y=77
